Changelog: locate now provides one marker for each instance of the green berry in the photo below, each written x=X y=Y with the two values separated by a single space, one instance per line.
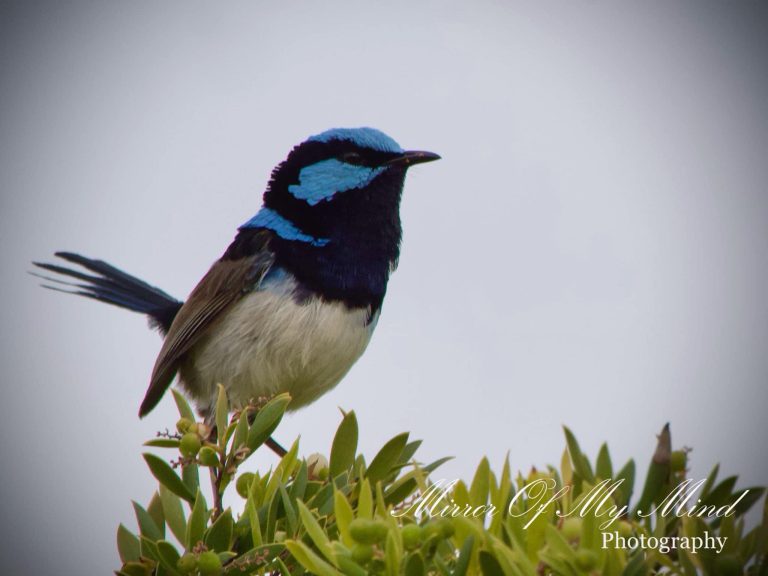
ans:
x=367 y=531
x=190 y=445
x=586 y=559
x=571 y=529
x=625 y=529
x=432 y=530
x=677 y=460
x=187 y=563
x=411 y=534
x=446 y=528
x=362 y=553
x=243 y=483
x=183 y=425
x=209 y=564
x=208 y=457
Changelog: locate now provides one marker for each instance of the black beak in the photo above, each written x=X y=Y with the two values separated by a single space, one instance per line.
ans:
x=411 y=157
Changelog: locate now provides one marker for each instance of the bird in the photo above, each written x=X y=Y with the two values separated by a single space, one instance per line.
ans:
x=293 y=301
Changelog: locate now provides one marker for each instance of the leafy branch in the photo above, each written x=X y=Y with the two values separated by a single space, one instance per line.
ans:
x=347 y=516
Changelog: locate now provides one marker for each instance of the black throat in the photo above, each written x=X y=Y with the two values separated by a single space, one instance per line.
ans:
x=363 y=230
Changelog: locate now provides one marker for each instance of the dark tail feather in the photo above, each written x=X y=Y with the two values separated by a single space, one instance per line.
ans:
x=113 y=286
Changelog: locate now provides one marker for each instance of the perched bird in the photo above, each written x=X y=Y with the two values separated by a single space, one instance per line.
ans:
x=293 y=301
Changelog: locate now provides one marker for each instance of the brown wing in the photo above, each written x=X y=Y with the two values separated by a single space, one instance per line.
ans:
x=224 y=284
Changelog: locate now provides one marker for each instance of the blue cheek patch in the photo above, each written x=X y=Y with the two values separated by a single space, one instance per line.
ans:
x=322 y=180
x=267 y=218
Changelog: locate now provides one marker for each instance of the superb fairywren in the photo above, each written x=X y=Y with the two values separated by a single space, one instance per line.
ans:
x=292 y=303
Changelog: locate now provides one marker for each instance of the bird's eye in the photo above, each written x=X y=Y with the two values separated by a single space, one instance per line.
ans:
x=351 y=158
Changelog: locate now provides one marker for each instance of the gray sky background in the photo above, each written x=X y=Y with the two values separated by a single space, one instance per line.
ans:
x=592 y=249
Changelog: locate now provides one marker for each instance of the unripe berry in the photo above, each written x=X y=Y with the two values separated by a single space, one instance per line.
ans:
x=571 y=529
x=431 y=530
x=183 y=425
x=190 y=445
x=208 y=457
x=187 y=563
x=411 y=534
x=209 y=564
x=625 y=529
x=586 y=559
x=362 y=553
x=446 y=528
x=243 y=483
x=367 y=531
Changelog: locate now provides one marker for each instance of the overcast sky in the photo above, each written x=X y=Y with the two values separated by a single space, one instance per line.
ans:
x=592 y=250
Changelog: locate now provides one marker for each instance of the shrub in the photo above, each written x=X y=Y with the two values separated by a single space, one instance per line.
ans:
x=343 y=515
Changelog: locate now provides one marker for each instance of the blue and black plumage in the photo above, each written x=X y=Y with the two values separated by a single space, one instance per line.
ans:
x=293 y=301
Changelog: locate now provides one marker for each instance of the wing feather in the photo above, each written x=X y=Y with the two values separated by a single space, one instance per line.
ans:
x=224 y=284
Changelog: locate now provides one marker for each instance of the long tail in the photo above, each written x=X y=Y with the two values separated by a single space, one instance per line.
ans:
x=113 y=286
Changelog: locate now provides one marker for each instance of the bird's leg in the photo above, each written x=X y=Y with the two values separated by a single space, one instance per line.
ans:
x=275 y=447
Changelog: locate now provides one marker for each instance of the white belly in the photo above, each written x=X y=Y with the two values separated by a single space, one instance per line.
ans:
x=267 y=344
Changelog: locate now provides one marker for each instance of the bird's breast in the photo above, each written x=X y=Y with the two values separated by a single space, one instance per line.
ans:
x=271 y=342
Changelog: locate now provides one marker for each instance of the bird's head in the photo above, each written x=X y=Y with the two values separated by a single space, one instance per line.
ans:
x=336 y=184
x=334 y=208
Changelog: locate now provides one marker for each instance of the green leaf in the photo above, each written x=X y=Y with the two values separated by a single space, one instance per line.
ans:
x=241 y=431
x=219 y=535
x=315 y=531
x=155 y=509
x=387 y=458
x=409 y=451
x=754 y=494
x=266 y=420
x=127 y=545
x=344 y=515
x=184 y=410
x=173 y=512
x=222 y=413
x=489 y=566
x=253 y=519
x=478 y=491
x=580 y=462
x=344 y=445
x=168 y=554
x=431 y=467
x=400 y=490
x=635 y=566
x=604 y=467
x=309 y=560
x=349 y=567
x=198 y=519
x=191 y=477
x=147 y=526
x=414 y=565
x=148 y=548
x=365 y=501
x=462 y=563
x=162 y=443
x=392 y=555
x=706 y=489
x=627 y=474
x=290 y=511
x=658 y=472
x=720 y=494
x=164 y=474
x=299 y=484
